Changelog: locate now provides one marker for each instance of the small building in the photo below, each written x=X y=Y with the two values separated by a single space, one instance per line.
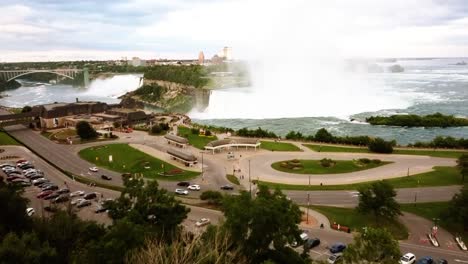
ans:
x=104 y=133
x=176 y=140
x=186 y=158
x=233 y=143
x=131 y=116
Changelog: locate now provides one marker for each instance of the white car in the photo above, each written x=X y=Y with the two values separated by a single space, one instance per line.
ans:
x=194 y=187
x=408 y=258
x=334 y=258
x=181 y=191
x=77 y=201
x=202 y=222
x=94 y=169
x=30 y=211
x=77 y=193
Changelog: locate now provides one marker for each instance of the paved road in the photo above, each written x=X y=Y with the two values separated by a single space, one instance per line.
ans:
x=400 y=166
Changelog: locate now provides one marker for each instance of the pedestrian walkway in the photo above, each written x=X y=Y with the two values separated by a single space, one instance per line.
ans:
x=315 y=219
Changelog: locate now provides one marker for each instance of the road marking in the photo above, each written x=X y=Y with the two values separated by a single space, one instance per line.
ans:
x=462 y=261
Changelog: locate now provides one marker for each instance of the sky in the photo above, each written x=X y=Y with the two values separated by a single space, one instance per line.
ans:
x=50 y=30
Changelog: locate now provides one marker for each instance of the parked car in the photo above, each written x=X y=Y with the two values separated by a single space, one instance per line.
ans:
x=30 y=211
x=22 y=183
x=77 y=201
x=21 y=161
x=202 y=222
x=337 y=248
x=20 y=180
x=26 y=166
x=334 y=258
x=94 y=169
x=194 y=187
x=43 y=184
x=83 y=203
x=63 y=191
x=77 y=193
x=51 y=196
x=39 y=181
x=311 y=243
x=183 y=184
x=11 y=178
x=99 y=209
x=52 y=187
x=227 y=187
x=105 y=177
x=425 y=260
x=181 y=191
x=14 y=174
x=3 y=165
x=90 y=196
x=62 y=198
x=44 y=194
x=303 y=238
x=50 y=208
x=408 y=258
x=36 y=176
x=441 y=261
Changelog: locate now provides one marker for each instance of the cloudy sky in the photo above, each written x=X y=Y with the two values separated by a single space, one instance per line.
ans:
x=41 y=30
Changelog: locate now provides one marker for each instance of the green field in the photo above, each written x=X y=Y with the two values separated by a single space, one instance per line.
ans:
x=314 y=166
x=128 y=159
x=279 y=146
x=233 y=179
x=5 y=139
x=198 y=141
x=434 y=210
x=441 y=176
x=350 y=218
x=425 y=152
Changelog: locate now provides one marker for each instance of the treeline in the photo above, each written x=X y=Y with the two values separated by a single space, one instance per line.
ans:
x=443 y=142
x=434 y=120
x=151 y=93
x=259 y=133
x=193 y=75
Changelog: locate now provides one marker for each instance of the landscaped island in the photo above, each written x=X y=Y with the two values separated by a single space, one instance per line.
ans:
x=326 y=166
x=435 y=120
x=126 y=159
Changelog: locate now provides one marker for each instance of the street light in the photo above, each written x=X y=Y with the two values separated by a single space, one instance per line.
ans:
x=308 y=201
x=250 y=182
x=202 y=167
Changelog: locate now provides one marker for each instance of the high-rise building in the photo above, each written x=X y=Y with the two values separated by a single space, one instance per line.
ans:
x=138 y=62
x=227 y=53
x=201 y=58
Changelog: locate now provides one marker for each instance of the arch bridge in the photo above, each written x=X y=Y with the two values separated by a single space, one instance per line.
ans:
x=13 y=74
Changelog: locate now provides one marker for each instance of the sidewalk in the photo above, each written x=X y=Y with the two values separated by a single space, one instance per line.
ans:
x=315 y=219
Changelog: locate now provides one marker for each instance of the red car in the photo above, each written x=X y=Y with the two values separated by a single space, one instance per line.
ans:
x=44 y=194
x=21 y=161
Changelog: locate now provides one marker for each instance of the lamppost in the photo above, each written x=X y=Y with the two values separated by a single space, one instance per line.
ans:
x=202 y=167
x=308 y=201
x=250 y=182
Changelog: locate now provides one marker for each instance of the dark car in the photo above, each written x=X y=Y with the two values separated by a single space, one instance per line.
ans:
x=51 y=196
x=337 y=248
x=105 y=177
x=35 y=176
x=183 y=183
x=26 y=166
x=100 y=209
x=11 y=178
x=90 y=196
x=64 y=190
x=83 y=204
x=425 y=260
x=441 y=261
x=61 y=199
x=311 y=243
x=50 y=188
x=227 y=187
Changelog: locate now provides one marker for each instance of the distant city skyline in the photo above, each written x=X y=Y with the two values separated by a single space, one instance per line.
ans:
x=51 y=30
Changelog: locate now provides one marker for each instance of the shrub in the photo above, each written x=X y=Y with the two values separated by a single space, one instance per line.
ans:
x=212 y=197
x=365 y=161
x=195 y=131
x=85 y=130
x=376 y=161
x=379 y=145
x=327 y=162
x=207 y=133
x=156 y=129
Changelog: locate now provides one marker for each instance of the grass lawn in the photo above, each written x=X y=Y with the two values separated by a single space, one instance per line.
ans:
x=432 y=153
x=441 y=176
x=350 y=218
x=198 y=141
x=434 y=210
x=315 y=167
x=64 y=134
x=233 y=179
x=5 y=139
x=128 y=159
x=278 y=146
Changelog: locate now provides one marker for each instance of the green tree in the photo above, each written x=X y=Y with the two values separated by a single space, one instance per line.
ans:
x=255 y=224
x=378 y=145
x=85 y=130
x=462 y=165
x=156 y=129
x=26 y=109
x=323 y=135
x=457 y=211
x=13 y=210
x=146 y=204
x=378 y=199
x=213 y=197
x=26 y=249
x=373 y=245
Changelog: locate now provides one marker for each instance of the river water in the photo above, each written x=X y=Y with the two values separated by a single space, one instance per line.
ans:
x=425 y=87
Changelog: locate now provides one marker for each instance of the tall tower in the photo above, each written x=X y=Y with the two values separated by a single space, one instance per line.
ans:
x=201 y=58
x=227 y=53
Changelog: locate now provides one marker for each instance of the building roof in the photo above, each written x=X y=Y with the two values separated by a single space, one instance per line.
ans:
x=177 y=139
x=237 y=141
x=182 y=155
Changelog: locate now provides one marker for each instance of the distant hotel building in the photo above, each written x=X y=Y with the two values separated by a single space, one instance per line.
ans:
x=138 y=62
x=201 y=58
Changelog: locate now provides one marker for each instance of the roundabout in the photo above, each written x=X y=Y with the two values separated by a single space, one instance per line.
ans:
x=326 y=166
